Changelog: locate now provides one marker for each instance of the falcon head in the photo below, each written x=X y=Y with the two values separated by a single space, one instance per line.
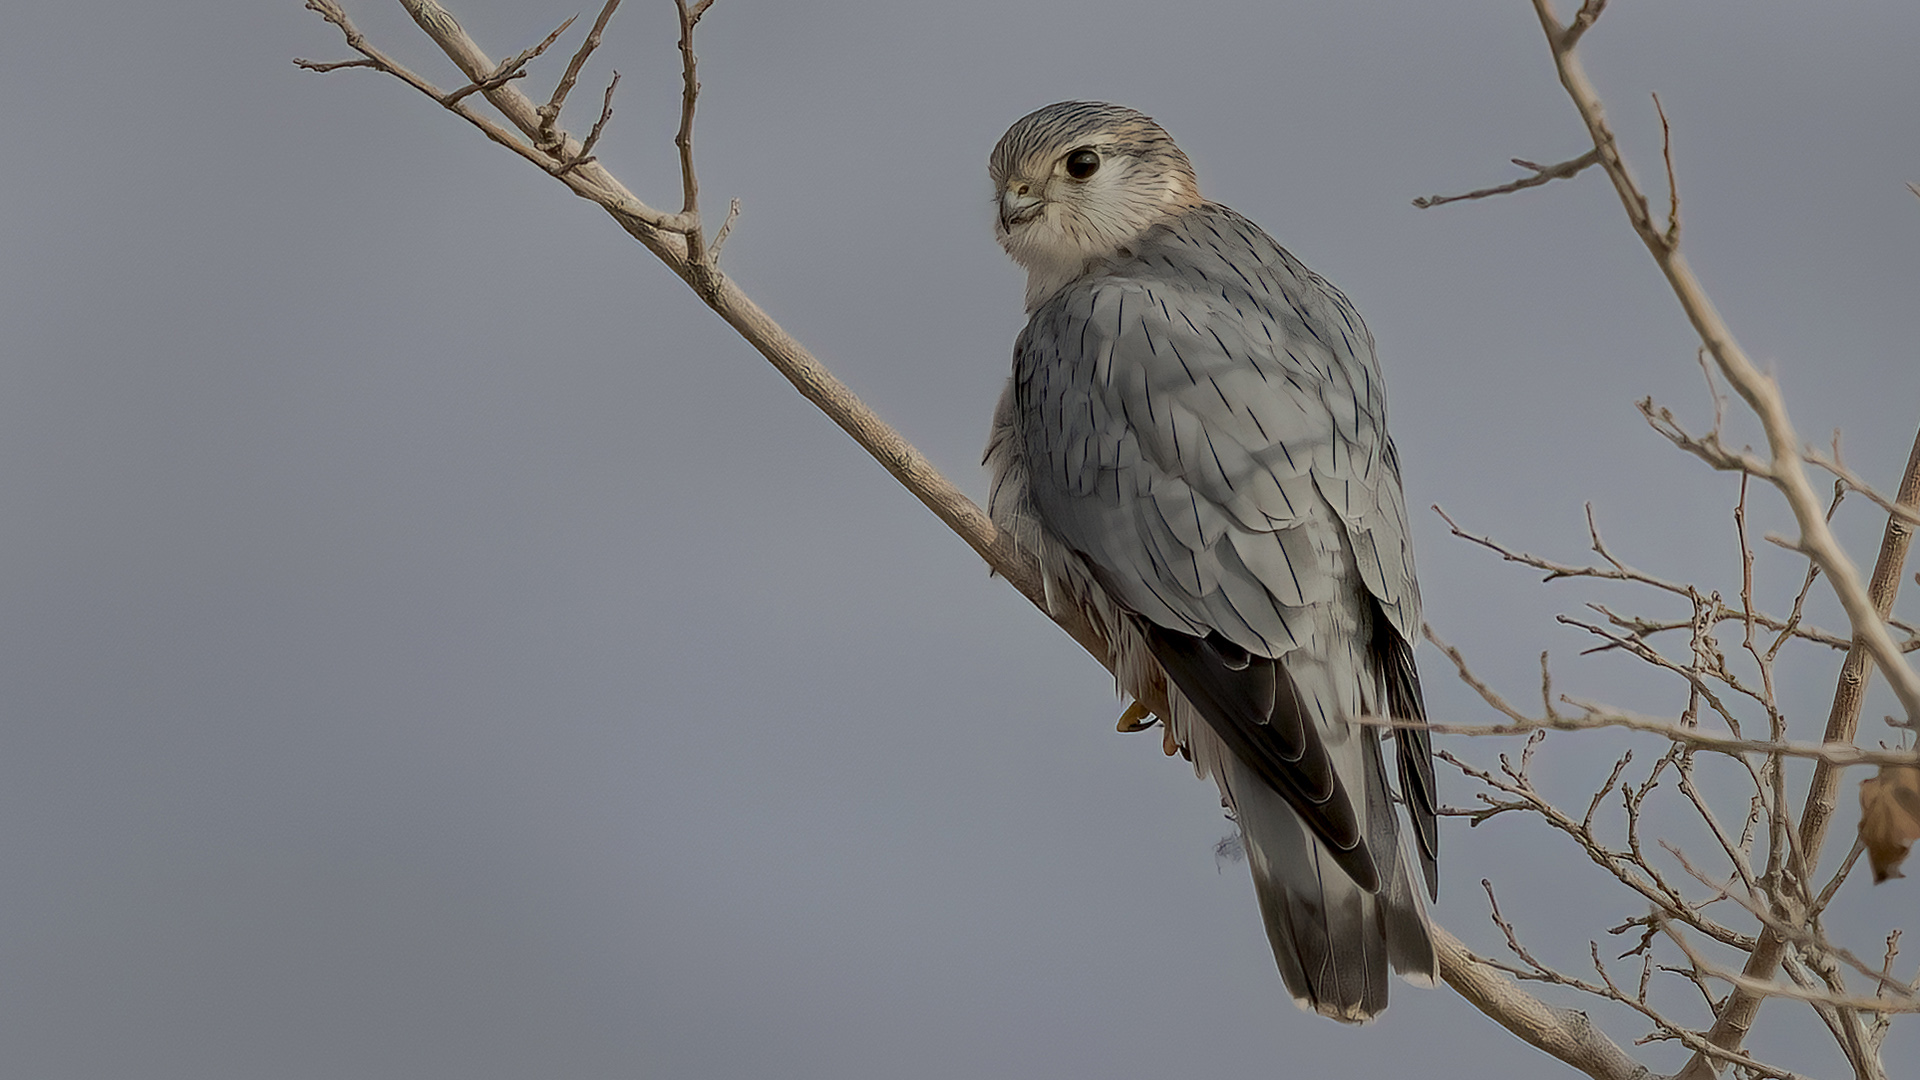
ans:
x=1076 y=181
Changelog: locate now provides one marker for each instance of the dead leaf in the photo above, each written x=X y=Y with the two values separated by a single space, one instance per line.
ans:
x=1890 y=818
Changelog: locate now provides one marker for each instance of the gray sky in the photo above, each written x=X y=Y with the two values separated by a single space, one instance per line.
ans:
x=437 y=648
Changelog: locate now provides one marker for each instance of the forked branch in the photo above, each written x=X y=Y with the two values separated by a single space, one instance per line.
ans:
x=1785 y=468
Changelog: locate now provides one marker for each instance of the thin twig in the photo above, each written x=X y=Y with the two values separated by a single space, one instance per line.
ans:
x=1803 y=935
x=1567 y=1034
x=1765 y=988
x=586 y=148
x=1852 y=482
x=1583 y=21
x=689 y=98
x=1609 y=990
x=1837 y=754
x=1629 y=867
x=699 y=261
x=491 y=82
x=509 y=69
x=726 y=229
x=315 y=65
x=1672 y=235
x=1541 y=174
x=550 y=112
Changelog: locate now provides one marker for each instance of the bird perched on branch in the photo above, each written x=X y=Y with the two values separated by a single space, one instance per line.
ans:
x=1194 y=444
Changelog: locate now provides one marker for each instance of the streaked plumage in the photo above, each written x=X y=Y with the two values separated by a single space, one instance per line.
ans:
x=1194 y=443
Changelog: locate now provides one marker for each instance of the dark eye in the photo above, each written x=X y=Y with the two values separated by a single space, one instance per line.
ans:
x=1082 y=164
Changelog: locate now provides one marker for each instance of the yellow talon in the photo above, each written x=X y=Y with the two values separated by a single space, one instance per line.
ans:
x=1136 y=718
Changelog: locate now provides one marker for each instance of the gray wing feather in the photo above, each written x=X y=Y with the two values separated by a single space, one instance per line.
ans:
x=1223 y=386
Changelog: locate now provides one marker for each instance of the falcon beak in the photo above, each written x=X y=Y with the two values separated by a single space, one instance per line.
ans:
x=1018 y=204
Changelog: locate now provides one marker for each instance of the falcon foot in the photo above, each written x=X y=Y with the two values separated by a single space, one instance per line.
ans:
x=1136 y=718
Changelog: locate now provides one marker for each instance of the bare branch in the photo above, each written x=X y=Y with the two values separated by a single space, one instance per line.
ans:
x=491 y=82
x=703 y=277
x=1733 y=851
x=1786 y=471
x=1788 y=628
x=585 y=154
x=1832 y=887
x=689 y=98
x=550 y=112
x=1708 y=447
x=726 y=229
x=1767 y=988
x=1583 y=21
x=1615 y=570
x=665 y=236
x=1672 y=236
x=1835 y=753
x=1629 y=867
x=1842 y=722
x=509 y=69
x=1541 y=174
x=1802 y=934
x=1609 y=990
x=1859 y=1049
x=377 y=59
x=1566 y=1034
x=1851 y=481
x=315 y=65
x=1760 y=392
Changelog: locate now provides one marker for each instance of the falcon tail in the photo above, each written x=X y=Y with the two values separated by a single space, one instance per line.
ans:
x=1334 y=942
x=1316 y=816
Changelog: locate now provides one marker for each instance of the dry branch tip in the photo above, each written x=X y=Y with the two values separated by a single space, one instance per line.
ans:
x=1541 y=174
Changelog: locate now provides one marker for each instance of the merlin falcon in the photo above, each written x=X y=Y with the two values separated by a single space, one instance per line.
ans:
x=1194 y=445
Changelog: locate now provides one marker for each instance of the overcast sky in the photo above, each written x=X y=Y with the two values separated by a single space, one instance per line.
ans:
x=436 y=647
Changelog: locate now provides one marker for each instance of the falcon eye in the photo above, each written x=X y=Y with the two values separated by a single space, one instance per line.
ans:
x=1082 y=164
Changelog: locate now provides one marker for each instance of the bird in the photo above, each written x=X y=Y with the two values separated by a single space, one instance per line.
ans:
x=1193 y=445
